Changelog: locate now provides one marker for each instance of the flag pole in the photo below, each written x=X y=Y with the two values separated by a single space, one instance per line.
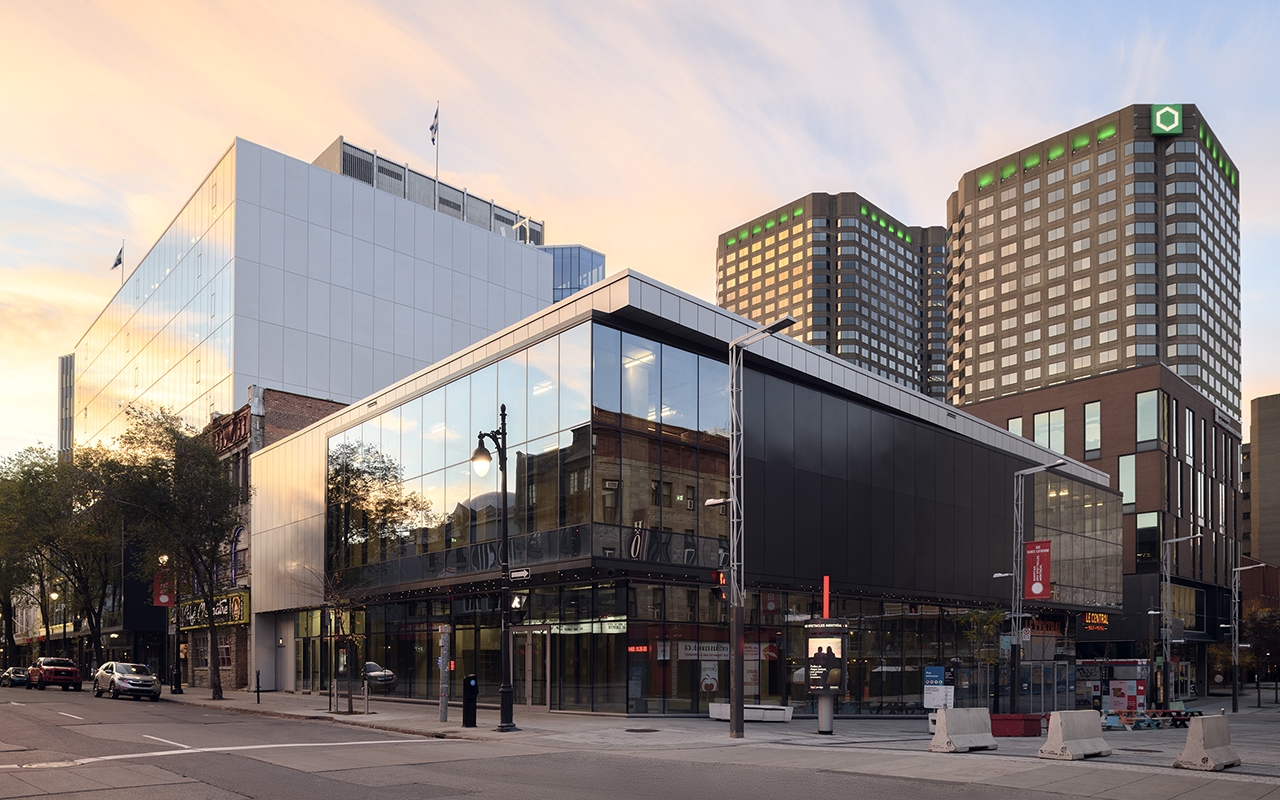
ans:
x=435 y=140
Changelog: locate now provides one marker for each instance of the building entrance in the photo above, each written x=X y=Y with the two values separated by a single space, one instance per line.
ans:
x=531 y=666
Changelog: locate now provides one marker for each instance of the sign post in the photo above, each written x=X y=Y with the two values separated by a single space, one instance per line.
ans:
x=444 y=673
x=828 y=675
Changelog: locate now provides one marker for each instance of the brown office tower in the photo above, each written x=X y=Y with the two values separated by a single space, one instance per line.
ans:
x=1110 y=246
x=863 y=285
x=1094 y=306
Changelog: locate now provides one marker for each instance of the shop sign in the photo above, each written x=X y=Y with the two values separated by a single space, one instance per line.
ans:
x=702 y=651
x=229 y=609
x=1096 y=621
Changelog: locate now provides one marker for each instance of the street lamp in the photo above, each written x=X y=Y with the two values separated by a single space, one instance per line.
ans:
x=1019 y=575
x=175 y=679
x=1166 y=612
x=63 y=608
x=737 y=585
x=1235 y=635
x=480 y=461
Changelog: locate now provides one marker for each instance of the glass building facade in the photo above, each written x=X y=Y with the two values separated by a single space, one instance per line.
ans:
x=616 y=437
x=574 y=268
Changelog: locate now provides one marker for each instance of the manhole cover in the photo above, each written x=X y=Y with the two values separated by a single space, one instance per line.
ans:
x=1137 y=750
x=642 y=730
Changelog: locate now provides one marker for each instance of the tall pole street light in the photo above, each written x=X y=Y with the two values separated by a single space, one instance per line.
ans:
x=737 y=586
x=54 y=596
x=480 y=461
x=1166 y=612
x=1235 y=635
x=1019 y=577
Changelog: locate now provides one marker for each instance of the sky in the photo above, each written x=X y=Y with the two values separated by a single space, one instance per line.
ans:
x=640 y=129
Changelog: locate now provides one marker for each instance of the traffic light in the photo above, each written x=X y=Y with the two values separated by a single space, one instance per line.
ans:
x=719 y=586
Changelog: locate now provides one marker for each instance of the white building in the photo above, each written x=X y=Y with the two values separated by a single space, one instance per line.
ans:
x=296 y=276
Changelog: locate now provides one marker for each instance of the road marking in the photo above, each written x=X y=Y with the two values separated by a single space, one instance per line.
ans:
x=166 y=741
x=16 y=703
x=229 y=749
x=73 y=716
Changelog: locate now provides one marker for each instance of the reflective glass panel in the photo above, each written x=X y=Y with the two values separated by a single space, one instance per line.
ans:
x=641 y=373
x=544 y=371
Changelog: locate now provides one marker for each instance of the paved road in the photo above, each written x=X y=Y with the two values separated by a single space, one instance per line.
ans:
x=72 y=745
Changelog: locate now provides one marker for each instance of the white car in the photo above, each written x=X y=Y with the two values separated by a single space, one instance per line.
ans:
x=132 y=680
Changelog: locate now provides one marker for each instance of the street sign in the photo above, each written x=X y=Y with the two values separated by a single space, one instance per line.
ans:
x=521 y=574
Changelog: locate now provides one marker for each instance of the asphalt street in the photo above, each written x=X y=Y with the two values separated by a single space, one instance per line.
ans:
x=65 y=744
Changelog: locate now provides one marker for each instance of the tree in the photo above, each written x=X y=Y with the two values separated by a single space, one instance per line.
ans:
x=188 y=509
x=1260 y=627
x=17 y=558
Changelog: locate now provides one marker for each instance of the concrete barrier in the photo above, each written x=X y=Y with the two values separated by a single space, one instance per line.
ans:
x=752 y=713
x=961 y=730
x=1208 y=745
x=1074 y=735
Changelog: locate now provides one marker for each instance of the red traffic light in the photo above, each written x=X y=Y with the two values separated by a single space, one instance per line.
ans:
x=719 y=590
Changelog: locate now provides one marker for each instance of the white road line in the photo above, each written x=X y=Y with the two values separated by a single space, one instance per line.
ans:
x=166 y=741
x=73 y=716
x=16 y=703
x=231 y=749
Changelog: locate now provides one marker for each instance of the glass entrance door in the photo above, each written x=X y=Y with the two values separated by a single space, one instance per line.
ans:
x=531 y=666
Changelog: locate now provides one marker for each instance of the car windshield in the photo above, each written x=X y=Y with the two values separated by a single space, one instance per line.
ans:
x=371 y=666
x=132 y=669
x=58 y=662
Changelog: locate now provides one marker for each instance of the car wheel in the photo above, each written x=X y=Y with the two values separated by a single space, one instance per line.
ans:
x=40 y=684
x=80 y=687
x=115 y=692
x=28 y=684
x=96 y=691
x=155 y=698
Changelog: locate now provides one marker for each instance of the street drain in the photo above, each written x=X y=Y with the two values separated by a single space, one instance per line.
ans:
x=642 y=730
x=1138 y=750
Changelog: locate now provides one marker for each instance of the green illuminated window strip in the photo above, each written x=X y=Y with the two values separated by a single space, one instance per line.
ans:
x=1030 y=161
x=732 y=241
x=1056 y=152
x=755 y=229
x=768 y=224
x=986 y=179
x=1106 y=132
x=908 y=238
x=742 y=235
x=882 y=223
x=799 y=210
x=1007 y=171
x=864 y=211
x=782 y=217
x=1079 y=142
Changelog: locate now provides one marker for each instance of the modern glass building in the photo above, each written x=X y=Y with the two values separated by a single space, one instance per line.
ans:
x=287 y=275
x=574 y=268
x=372 y=521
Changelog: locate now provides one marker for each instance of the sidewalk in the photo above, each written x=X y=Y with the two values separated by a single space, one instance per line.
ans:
x=1139 y=768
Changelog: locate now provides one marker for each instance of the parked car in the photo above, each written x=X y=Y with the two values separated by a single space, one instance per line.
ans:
x=380 y=680
x=48 y=671
x=13 y=676
x=132 y=680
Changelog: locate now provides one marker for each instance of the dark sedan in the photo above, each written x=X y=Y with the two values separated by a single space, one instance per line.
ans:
x=126 y=680
x=380 y=680
x=13 y=676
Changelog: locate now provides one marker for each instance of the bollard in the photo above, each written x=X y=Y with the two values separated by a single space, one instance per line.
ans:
x=366 y=698
x=470 y=691
x=826 y=714
x=257 y=684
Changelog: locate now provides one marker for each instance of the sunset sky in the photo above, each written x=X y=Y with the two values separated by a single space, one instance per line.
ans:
x=639 y=129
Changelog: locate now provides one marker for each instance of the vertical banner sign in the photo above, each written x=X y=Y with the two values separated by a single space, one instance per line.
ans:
x=1035 y=583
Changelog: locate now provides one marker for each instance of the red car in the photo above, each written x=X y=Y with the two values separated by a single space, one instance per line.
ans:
x=54 y=672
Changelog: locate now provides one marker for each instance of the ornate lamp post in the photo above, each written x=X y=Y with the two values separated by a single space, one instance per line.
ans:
x=480 y=461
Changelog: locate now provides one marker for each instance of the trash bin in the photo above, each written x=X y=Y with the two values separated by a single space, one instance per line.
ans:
x=470 y=691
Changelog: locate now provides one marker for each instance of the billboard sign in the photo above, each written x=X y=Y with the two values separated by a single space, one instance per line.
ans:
x=826 y=668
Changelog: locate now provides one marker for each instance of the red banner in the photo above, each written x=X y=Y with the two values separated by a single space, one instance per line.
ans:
x=161 y=591
x=1035 y=583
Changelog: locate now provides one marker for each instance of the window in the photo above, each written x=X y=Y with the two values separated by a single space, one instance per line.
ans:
x=1092 y=430
x=1128 y=484
x=1150 y=426
x=1015 y=426
x=1148 y=538
x=1049 y=429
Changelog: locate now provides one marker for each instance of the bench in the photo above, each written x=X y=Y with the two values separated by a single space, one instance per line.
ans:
x=752 y=713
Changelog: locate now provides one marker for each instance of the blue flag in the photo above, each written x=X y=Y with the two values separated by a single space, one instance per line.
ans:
x=435 y=126
x=119 y=258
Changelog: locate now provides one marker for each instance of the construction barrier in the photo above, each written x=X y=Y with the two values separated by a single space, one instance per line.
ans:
x=1208 y=745
x=1074 y=735
x=961 y=730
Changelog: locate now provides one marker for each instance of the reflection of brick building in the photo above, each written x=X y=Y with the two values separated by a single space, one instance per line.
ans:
x=269 y=416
